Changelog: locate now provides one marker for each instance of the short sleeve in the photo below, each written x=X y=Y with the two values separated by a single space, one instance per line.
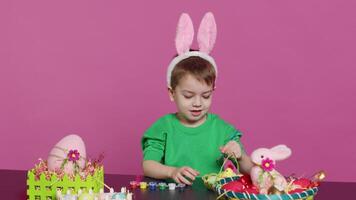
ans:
x=153 y=143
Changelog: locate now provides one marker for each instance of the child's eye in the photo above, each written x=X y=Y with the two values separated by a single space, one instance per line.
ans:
x=187 y=97
x=206 y=96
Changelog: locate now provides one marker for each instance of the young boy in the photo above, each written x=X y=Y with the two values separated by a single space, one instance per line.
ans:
x=187 y=144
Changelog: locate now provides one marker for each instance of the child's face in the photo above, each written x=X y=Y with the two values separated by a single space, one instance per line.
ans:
x=193 y=100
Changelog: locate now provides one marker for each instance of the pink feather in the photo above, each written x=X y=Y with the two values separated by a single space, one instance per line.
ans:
x=207 y=33
x=185 y=34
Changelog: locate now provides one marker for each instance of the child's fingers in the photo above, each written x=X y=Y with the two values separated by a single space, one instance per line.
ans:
x=226 y=148
x=182 y=179
x=192 y=171
x=223 y=149
x=237 y=154
x=231 y=144
x=232 y=148
x=176 y=179
x=188 y=174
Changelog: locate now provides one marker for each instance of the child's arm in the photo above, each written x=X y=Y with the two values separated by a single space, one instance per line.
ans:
x=245 y=163
x=153 y=146
x=157 y=170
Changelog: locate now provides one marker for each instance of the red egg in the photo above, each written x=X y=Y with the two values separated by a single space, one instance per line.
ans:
x=314 y=184
x=246 y=180
x=235 y=186
x=302 y=182
x=254 y=187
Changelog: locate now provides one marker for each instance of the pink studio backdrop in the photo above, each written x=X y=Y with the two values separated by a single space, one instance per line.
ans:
x=97 y=69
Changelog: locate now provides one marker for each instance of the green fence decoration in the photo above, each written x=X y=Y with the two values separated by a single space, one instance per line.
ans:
x=44 y=189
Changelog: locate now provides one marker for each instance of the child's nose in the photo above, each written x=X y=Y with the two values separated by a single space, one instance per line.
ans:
x=197 y=102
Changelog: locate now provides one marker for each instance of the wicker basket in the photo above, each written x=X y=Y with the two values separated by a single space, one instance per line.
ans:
x=305 y=195
x=210 y=180
x=44 y=189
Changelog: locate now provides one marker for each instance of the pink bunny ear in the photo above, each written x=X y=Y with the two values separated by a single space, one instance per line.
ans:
x=185 y=34
x=280 y=152
x=207 y=33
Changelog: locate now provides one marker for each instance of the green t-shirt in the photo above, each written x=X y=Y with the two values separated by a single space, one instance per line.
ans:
x=171 y=143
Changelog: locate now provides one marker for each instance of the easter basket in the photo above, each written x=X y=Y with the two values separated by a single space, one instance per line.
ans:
x=210 y=180
x=307 y=194
x=45 y=187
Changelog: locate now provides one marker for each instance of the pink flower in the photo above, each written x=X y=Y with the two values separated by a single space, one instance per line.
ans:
x=267 y=164
x=73 y=155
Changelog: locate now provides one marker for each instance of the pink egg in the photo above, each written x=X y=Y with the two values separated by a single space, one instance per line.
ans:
x=70 y=143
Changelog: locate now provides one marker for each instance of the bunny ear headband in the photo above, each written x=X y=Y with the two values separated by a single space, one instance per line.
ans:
x=184 y=38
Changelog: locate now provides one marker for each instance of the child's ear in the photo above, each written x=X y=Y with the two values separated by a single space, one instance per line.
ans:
x=171 y=94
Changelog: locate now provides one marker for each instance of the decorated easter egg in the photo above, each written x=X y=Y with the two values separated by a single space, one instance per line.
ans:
x=227 y=173
x=212 y=179
x=314 y=184
x=230 y=164
x=246 y=180
x=235 y=186
x=302 y=182
x=85 y=196
x=68 y=154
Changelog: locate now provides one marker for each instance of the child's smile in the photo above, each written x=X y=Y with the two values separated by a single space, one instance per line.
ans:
x=196 y=113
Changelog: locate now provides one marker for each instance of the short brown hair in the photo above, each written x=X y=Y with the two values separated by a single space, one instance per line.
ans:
x=196 y=66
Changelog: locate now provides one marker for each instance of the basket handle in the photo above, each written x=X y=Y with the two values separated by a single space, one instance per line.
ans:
x=227 y=158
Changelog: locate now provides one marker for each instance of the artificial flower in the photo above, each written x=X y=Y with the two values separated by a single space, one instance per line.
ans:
x=267 y=164
x=73 y=155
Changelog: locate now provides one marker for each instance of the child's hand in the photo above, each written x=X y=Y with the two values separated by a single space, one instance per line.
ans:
x=185 y=175
x=232 y=148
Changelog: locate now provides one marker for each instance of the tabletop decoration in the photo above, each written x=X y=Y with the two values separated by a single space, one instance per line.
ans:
x=227 y=170
x=124 y=194
x=67 y=169
x=265 y=183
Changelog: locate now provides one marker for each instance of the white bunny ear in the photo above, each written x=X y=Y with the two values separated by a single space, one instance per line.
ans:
x=207 y=33
x=280 y=152
x=185 y=34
